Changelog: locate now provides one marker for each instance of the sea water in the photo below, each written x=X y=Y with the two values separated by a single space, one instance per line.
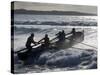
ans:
x=85 y=57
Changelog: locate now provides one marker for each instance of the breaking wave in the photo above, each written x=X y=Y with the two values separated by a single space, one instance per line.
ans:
x=72 y=23
x=67 y=59
x=23 y=30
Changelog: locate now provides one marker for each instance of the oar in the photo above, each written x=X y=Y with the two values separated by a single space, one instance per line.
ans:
x=39 y=43
x=23 y=49
x=32 y=46
x=56 y=37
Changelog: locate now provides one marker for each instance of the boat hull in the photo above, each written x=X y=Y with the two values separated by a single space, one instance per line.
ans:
x=67 y=43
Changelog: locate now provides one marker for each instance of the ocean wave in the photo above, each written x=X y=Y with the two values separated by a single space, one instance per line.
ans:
x=57 y=23
x=24 y=30
x=68 y=59
x=65 y=58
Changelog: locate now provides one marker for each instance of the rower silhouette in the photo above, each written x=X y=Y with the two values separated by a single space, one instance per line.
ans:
x=30 y=40
x=46 y=41
x=61 y=35
x=73 y=31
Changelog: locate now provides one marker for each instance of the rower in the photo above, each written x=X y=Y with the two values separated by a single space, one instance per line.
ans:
x=61 y=35
x=46 y=41
x=73 y=31
x=30 y=40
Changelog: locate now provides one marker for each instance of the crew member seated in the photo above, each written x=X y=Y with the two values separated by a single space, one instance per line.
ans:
x=46 y=41
x=61 y=35
x=73 y=31
x=30 y=40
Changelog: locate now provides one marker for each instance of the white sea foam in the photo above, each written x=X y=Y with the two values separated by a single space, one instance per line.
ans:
x=80 y=57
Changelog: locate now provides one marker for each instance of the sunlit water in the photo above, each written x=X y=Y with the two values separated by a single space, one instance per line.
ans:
x=64 y=59
x=54 y=18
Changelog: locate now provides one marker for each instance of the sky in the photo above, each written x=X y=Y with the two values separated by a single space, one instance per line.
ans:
x=57 y=7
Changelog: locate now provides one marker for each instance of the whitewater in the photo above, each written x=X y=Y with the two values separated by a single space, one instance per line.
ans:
x=78 y=57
